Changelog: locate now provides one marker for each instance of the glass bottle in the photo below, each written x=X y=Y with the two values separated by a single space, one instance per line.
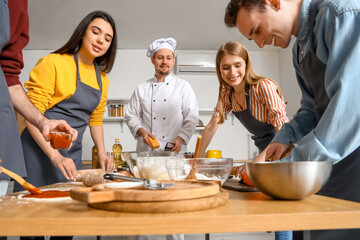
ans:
x=117 y=149
x=95 y=158
x=112 y=110
x=121 y=110
x=118 y=111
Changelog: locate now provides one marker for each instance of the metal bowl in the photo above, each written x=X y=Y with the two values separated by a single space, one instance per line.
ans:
x=130 y=158
x=213 y=169
x=289 y=180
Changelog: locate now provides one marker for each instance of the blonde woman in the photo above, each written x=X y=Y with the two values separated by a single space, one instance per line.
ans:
x=255 y=100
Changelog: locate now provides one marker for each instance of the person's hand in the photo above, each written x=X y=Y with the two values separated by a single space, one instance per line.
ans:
x=66 y=166
x=47 y=125
x=275 y=150
x=177 y=144
x=145 y=134
x=108 y=162
x=240 y=171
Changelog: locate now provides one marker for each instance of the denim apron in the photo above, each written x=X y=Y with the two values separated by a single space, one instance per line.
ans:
x=10 y=145
x=262 y=133
x=344 y=181
x=76 y=111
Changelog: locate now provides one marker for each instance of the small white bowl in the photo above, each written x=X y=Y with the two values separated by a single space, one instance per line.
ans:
x=115 y=185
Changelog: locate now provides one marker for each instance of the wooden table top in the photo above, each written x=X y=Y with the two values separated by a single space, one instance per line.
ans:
x=246 y=212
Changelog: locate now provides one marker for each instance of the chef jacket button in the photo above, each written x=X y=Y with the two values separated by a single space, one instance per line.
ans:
x=163 y=137
x=164 y=118
x=154 y=118
x=164 y=100
x=153 y=100
x=167 y=83
x=155 y=85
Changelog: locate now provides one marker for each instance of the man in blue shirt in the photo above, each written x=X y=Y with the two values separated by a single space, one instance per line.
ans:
x=326 y=58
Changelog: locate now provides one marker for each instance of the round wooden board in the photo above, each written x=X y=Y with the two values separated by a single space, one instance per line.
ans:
x=181 y=190
x=186 y=205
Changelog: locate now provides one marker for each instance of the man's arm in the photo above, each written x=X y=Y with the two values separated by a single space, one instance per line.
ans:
x=11 y=59
x=25 y=108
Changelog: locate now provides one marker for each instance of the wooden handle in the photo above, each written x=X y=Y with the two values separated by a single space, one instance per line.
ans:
x=13 y=175
x=198 y=142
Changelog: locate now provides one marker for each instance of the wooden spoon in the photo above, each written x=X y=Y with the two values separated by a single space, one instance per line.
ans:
x=28 y=186
x=192 y=175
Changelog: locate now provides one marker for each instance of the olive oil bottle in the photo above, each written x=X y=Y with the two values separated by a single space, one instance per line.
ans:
x=95 y=158
x=117 y=149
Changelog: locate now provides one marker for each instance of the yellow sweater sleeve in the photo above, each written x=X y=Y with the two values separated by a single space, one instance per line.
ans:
x=53 y=80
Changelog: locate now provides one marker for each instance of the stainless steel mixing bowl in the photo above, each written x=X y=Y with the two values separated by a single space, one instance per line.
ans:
x=289 y=180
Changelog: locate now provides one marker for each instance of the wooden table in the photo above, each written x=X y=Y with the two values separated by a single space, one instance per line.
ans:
x=246 y=212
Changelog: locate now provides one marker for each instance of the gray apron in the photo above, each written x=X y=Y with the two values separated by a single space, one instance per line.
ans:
x=76 y=111
x=10 y=145
x=262 y=133
x=345 y=177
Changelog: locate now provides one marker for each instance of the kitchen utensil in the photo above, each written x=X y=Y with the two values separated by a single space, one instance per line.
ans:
x=235 y=184
x=169 y=146
x=192 y=175
x=289 y=180
x=287 y=150
x=148 y=183
x=130 y=158
x=207 y=169
x=28 y=186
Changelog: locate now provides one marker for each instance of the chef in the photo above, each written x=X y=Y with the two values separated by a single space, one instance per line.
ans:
x=326 y=58
x=165 y=106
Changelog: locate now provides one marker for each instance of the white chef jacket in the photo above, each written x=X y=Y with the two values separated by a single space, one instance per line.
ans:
x=166 y=109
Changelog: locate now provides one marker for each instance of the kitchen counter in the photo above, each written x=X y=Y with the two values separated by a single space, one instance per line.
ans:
x=246 y=212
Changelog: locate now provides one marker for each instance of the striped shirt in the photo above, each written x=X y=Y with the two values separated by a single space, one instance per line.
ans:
x=265 y=104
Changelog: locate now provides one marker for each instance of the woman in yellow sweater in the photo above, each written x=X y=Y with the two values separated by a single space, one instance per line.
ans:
x=71 y=84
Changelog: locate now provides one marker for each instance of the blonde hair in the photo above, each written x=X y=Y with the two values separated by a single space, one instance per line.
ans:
x=250 y=77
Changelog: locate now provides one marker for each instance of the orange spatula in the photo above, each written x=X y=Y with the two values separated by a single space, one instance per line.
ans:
x=28 y=186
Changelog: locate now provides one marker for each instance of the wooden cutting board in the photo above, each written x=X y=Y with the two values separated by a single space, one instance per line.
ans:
x=182 y=197
x=234 y=184
x=177 y=206
x=180 y=191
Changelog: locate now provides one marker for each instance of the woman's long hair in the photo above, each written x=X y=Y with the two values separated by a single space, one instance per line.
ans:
x=73 y=45
x=250 y=77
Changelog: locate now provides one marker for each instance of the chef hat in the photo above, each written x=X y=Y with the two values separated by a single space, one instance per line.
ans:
x=168 y=43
